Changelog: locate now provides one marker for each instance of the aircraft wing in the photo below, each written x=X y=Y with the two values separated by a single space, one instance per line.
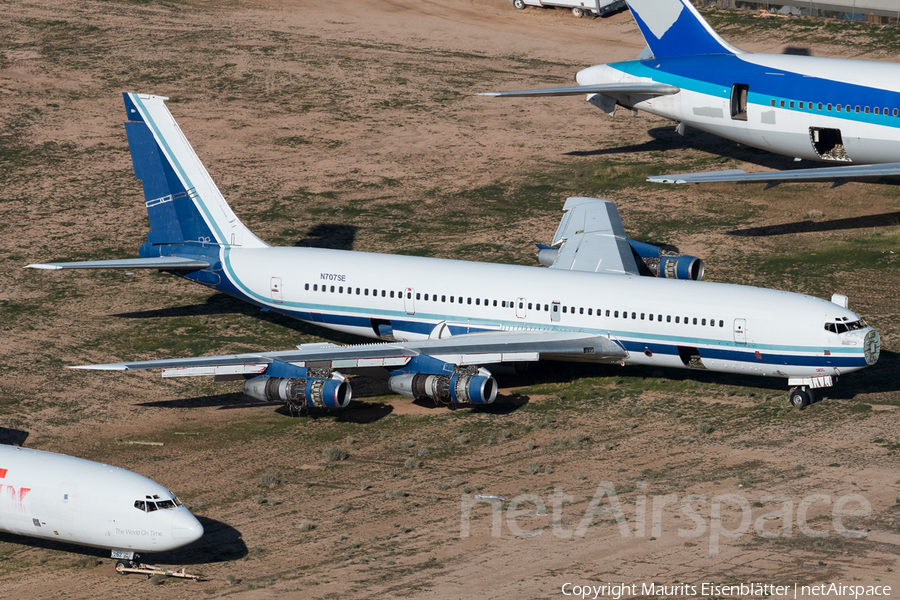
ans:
x=591 y=238
x=609 y=89
x=838 y=175
x=466 y=349
x=158 y=262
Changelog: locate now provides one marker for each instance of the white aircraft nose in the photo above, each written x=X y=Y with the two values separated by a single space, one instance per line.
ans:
x=185 y=527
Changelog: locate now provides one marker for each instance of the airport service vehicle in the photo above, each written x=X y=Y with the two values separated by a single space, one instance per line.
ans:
x=838 y=111
x=66 y=499
x=580 y=8
x=603 y=298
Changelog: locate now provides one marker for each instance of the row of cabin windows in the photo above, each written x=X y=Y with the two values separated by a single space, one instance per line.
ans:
x=838 y=107
x=419 y=295
x=505 y=304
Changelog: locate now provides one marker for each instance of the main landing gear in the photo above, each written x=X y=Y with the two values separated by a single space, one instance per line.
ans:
x=802 y=396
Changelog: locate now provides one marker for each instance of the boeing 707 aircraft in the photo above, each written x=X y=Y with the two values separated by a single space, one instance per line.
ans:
x=67 y=499
x=442 y=321
x=844 y=112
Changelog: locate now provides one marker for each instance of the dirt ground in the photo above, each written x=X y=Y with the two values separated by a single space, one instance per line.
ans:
x=355 y=125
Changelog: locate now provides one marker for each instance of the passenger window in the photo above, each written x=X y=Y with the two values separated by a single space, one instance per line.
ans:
x=521 y=304
x=819 y=106
x=315 y=287
x=409 y=295
x=695 y=320
x=849 y=108
x=590 y=311
x=616 y=314
x=659 y=318
x=669 y=319
x=877 y=110
x=782 y=103
x=546 y=307
x=828 y=107
x=867 y=110
x=721 y=323
x=581 y=310
x=772 y=102
x=607 y=314
x=332 y=289
x=702 y=322
x=801 y=104
x=642 y=316
x=443 y=298
x=495 y=303
x=418 y=295
x=477 y=301
x=383 y=293
x=503 y=304
x=366 y=292
x=392 y=293
x=468 y=301
x=651 y=316
x=837 y=107
x=624 y=314
x=678 y=319
x=306 y=287
x=451 y=299
x=341 y=290
x=565 y=308
x=857 y=108
x=358 y=291
x=529 y=306
x=895 y=112
x=791 y=104
x=634 y=315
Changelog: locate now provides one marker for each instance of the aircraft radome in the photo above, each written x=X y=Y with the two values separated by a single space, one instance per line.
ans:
x=839 y=111
x=66 y=499
x=441 y=322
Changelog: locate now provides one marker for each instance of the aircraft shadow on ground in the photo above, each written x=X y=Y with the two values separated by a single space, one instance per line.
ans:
x=12 y=437
x=666 y=139
x=329 y=235
x=223 y=401
x=882 y=220
x=220 y=543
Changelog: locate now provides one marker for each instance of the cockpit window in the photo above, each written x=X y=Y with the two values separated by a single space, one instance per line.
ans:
x=845 y=327
x=165 y=504
x=140 y=505
x=151 y=506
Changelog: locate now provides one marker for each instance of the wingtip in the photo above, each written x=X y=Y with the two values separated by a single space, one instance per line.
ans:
x=43 y=266
x=109 y=367
x=495 y=94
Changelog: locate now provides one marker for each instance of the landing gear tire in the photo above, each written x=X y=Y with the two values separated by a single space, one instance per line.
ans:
x=578 y=12
x=121 y=565
x=801 y=397
x=520 y=4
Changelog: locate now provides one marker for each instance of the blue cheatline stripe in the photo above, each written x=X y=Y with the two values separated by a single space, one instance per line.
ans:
x=766 y=83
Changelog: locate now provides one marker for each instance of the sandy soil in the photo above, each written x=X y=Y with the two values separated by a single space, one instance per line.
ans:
x=354 y=124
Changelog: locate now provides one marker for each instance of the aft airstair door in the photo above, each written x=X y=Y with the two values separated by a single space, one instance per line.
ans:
x=275 y=287
x=740 y=331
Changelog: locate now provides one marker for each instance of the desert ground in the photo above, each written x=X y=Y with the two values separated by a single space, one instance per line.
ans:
x=355 y=124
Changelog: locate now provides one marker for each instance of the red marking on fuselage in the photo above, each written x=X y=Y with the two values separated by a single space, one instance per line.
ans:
x=2 y=473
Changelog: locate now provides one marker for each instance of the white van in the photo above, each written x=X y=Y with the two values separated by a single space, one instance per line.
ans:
x=580 y=8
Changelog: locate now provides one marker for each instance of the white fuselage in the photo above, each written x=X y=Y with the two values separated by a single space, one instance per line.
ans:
x=662 y=322
x=67 y=499
x=790 y=100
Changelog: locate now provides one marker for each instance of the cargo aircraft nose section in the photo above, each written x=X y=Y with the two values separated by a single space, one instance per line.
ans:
x=185 y=527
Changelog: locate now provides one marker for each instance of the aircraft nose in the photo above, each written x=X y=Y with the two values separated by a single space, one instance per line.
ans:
x=185 y=527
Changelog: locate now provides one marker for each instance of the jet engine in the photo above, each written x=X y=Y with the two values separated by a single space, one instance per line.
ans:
x=300 y=393
x=460 y=387
x=666 y=262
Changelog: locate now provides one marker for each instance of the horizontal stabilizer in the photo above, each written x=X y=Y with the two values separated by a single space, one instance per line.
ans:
x=158 y=262
x=473 y=348
x=839 y=174
x=611 y=89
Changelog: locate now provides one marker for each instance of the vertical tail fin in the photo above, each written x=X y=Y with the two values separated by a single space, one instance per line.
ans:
x=675 y=28
x=183 y=202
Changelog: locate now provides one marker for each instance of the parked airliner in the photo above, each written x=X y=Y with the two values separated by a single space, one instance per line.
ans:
x=67 y=499
x=442 y=321
x=844 y=112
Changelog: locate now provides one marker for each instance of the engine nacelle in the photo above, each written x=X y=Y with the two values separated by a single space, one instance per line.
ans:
x=300 y=393
x=460 y=387
x=667 y=263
